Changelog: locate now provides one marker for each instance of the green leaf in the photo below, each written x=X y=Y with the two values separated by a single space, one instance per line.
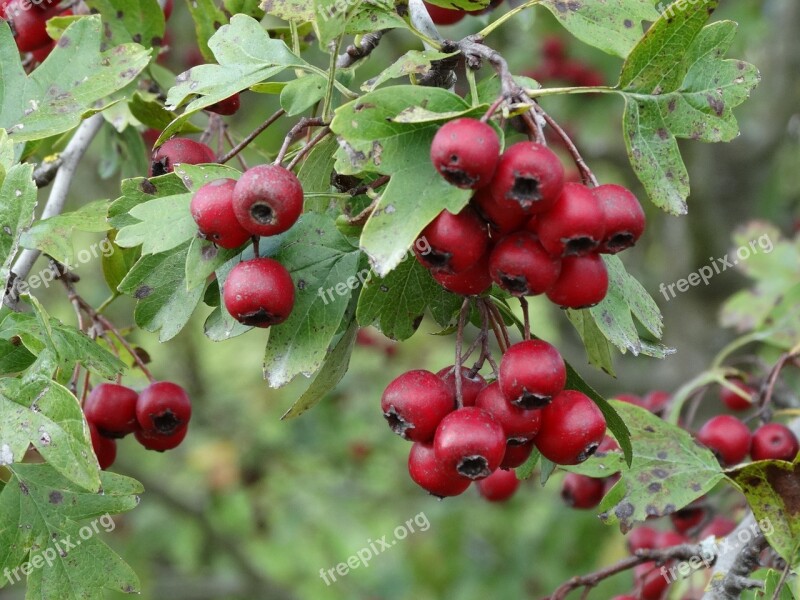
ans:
x=203 y=259
x=413 y=62
x=196 y=176
x=220 y=325
x=772 y=580
x=613 y=26
x=53 y=236
x=64 y=88
x=462 y=4
x=163 y=224
x=597 y=347
x=149 y=111
x=670 y=469
x=676 y=85
x=315 y=174
x=527 y=468
x=329 y=375
x=297 y=11
x=138 y=191
x=397 y=302
x=15 y=216
x=247 y=7
x=416 y=193
x=372 y=15
x=207 y=18
x=14 y=357
x=118 y=263
x=42 y=517
x=47 y=415
x=140 y=21
x=319 y=258
x=302 y=93
x=158 y=282
x=770 y=487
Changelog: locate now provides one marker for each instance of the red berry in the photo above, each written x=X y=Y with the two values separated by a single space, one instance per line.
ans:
x=430 y=476
x=267 y=200
x=112 y=409
x=259 y=292
x=572 y=428
x=518 y=424
x=727 y=437
x=519 y=265
x=642 y=538
x=580 y=491
x=499 y=486
x=529 y=175
x=415 y=403
x=163 y=409
x=168 y=9
x=465 y=152
x=774 y=441
x=631 y=399
x=503 y=217
x=40 y=54
x=583 y=282
x=574 y=226
x=160 y=443
x=554 y=47
x=626 y=597
x=650 y=583
x=470 y=442
x=444 y=16
x=471 y=383
x=622 y=215
x=105 y=449
x=531 y=373
x=657 y=401
x=735 y=401
x=228 y=106
x=454 y=243
x=516 y=454
x=668 y=539
x=29 y=26
x=177 y=151
x=687 y=518
x=472 y=281
x=718 y=527
x=212 y=210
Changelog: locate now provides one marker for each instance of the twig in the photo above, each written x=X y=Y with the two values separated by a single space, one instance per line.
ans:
x=250 y=137
x=321 y=135
x=293 y=133
x=586 y=173
x=497 y=323
x=353 y=54
x=228 y=137
x=782 y=581
x=462 y=319
x=524 y=304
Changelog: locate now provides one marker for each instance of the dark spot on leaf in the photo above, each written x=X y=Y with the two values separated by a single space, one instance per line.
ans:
x=696 y=487
x=148 y=188
x=402 y=9
x=741 y=65
x=128 y=73
x=651 y=510
x=787 y=485
x=660 y=473
x=217 y=25
x=64 y=41
x=363 y=106
x=143 y=292
x=662 y=133
x=628 y=23
x=716 y=104
x=209 y=252
x=671 y=105
x=301 y=284
x=120 y=14
x=56 y=497
x=24 y=489
x=383 y=288
x=649 y=429
x=654 y=487
x=669 y=509
x=603 y=516
x=662 y=455
x=137 y=37
x=623 y=511
x=156 y=41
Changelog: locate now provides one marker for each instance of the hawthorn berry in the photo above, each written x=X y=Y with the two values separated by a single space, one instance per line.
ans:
x=529 y=175
x=520 y=265
x=574 y=226
x=267 y=200
x=649 y=582
x=465 y=152
x=727 y=437
x=179 y=150
x=29 y=26
x=735 y=401
x=160 y=443
x=228 y=106
x=774 y=441
x=444 y=16
x=427 y=473
x=259 y=292
x=471 y=383
x=105 y=448
x=212 y=210
x=531 y=373
x=572 y=428
x=642 y=538
x=656 y=401
x=583 y=282
x=582 y=492
x=112 y=409
x=518 y=424
x=454 y=242
x=168 y=6
x=499 y=486
x=163 y=408
x=415 y=403
x=516 y=454
x=472 y=281
x=470 y=442
x=687 y=518
x=718 y=527
x=668 y=539
x=502 y=217
x=623 y=217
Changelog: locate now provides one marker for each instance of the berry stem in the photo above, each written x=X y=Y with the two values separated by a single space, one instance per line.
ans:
x=485 y=350
x=492 y=109
x=586 y=173
x=230 y=141
x=293 y=133
x=523 y=302
x=498 y=326
x=250 y=137
x=255 y=245
x=462 y=319
x=321 y=135
x=768 y=388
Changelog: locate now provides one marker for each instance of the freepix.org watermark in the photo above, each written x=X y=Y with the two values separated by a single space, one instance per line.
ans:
x=717 y=265
x=373 y=548
x=60 y=547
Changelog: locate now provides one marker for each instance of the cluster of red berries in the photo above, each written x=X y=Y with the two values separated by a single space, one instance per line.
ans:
x=448 y=16
x=158 y=417
x=557 y=66
x=495 y=426
x=28 y=21
x=526 y=229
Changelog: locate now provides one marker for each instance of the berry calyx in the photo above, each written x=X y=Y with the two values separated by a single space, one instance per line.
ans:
x=415 y=403
x=228 y=106
x=453 y=242
x=471 y=383
x=163 y=409
x=774 y=441
x=518 y=424
x=470 y=442
x=179 y=150
x=267 y=200
x=531 y=373
x=583 y=282
x=575 y=225
x=623 y=217
x=112 y=409
x=465 y=152
x=582 y=492
x=520 y=265
x=161 y=443
x=529 y=175
x=427 y=473
x=727 y=437
x=735 y=401
x=105 y=449
x=499 y=486
x=259 y=292
x=212 y=210
x=472 y=281
x=572 y=428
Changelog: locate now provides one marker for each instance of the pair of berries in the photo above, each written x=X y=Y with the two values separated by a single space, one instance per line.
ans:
x=158 y=417
x=526 y=229
x=731 y=440
x=28 y=21
x=448 y=16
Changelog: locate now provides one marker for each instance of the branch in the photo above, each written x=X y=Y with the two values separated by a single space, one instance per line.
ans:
x=353 y=54
x=253 y=135
x=70 y=158
x=730 y=575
